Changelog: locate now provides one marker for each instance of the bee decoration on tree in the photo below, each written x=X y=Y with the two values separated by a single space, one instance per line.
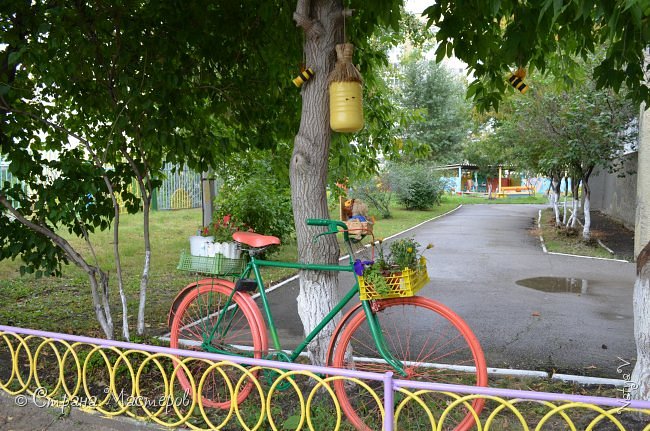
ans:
x=304 y=76
x=517 y=80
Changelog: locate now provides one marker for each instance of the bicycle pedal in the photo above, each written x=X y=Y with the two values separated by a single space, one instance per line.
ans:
x=246 y=285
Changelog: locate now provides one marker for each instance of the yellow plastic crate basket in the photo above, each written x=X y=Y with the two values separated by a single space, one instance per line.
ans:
x=400 y=285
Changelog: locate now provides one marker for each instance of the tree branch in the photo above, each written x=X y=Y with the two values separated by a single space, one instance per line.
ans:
x=312 y=28
x=65 y=245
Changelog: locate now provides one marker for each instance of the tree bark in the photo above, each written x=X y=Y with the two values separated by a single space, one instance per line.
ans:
x=575 y=188
x=321 y=21
x=144 y=279
x=586 y=209
x=566 y=197
x=146 y=192
x=555 y=185
x=640 y=390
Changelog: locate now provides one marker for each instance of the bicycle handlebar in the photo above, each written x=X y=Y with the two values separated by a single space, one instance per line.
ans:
x=331 y=225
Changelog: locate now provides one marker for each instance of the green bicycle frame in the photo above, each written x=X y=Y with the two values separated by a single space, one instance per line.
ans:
x=375 y=329
x=254 y=267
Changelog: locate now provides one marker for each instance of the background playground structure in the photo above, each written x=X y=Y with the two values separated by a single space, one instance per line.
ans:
x=466 y=178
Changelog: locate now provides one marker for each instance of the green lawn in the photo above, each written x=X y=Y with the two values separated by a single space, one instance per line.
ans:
x=559 y=241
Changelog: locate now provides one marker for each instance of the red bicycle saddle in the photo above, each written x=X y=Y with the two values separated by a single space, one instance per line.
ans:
x=255 y=239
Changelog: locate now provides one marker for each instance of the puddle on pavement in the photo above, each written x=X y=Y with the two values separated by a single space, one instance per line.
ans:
x=557 y=285
x=614 y=316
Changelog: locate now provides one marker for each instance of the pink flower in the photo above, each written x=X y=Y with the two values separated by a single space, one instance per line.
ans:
x=226 y=219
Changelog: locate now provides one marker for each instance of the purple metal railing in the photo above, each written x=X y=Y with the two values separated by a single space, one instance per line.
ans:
x=390 y=384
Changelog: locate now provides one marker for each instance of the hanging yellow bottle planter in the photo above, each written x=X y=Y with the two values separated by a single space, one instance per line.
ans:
x=346 y=102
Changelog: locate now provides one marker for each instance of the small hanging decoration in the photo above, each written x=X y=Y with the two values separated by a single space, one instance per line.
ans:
x=346 y=103
x=517 y=80
x=304 y=76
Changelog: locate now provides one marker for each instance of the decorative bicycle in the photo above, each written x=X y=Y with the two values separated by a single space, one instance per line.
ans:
x=415 y=337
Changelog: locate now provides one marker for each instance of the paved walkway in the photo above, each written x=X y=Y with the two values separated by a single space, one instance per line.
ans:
x=484 y=257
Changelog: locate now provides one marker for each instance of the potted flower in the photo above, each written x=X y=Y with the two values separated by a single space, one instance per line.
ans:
x=221 y=231
x=200 y=243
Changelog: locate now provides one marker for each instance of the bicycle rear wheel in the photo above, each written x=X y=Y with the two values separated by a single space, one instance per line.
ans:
x=433 y=343
x=206 y=321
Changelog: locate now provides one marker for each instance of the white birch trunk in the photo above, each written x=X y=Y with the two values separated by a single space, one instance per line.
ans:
x=586 y=227
x=144 y=183
x=556 y=199
x=640 y=389
x=566 y=198
x=144 y=279
x=118 y=262
x=322 y=23
x=574 y=213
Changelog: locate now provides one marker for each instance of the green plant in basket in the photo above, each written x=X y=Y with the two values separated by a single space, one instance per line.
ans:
x=404 y=253
x=374 y=275
x=387 y=270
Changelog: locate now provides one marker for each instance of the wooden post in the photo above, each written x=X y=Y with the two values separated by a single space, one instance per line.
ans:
x=207 y=196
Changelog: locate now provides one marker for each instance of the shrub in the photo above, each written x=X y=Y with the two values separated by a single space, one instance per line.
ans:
x=257 y=198
x=376 y=193
x=415 y=186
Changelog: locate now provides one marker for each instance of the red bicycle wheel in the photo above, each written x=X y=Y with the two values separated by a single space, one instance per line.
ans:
x=433 y=343
x=203 y=322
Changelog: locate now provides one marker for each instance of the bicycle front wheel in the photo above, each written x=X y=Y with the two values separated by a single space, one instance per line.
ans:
x=206 y=320
x=433 y=343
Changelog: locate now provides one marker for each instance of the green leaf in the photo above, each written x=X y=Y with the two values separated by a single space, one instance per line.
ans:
x=14 y=56
x=291 y=423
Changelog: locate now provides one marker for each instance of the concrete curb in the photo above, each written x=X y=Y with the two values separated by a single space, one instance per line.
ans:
x=541 y=239
x=585 y=380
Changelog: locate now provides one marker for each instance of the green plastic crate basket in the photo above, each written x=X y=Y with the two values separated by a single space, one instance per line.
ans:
x=216 y=265
x=400 y=284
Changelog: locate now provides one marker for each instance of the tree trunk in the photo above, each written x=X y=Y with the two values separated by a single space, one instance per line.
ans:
x=321 y=21
x=586 y=227
x=640 y=390
x=586 y=209
x=566 y=197
x=144 y=279
x=118 y=270
x=144 y=184
x=116 y=253
x=555 y=185
x=575 y=206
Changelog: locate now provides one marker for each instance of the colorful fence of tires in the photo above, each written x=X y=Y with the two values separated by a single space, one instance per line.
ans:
x=163 y=385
